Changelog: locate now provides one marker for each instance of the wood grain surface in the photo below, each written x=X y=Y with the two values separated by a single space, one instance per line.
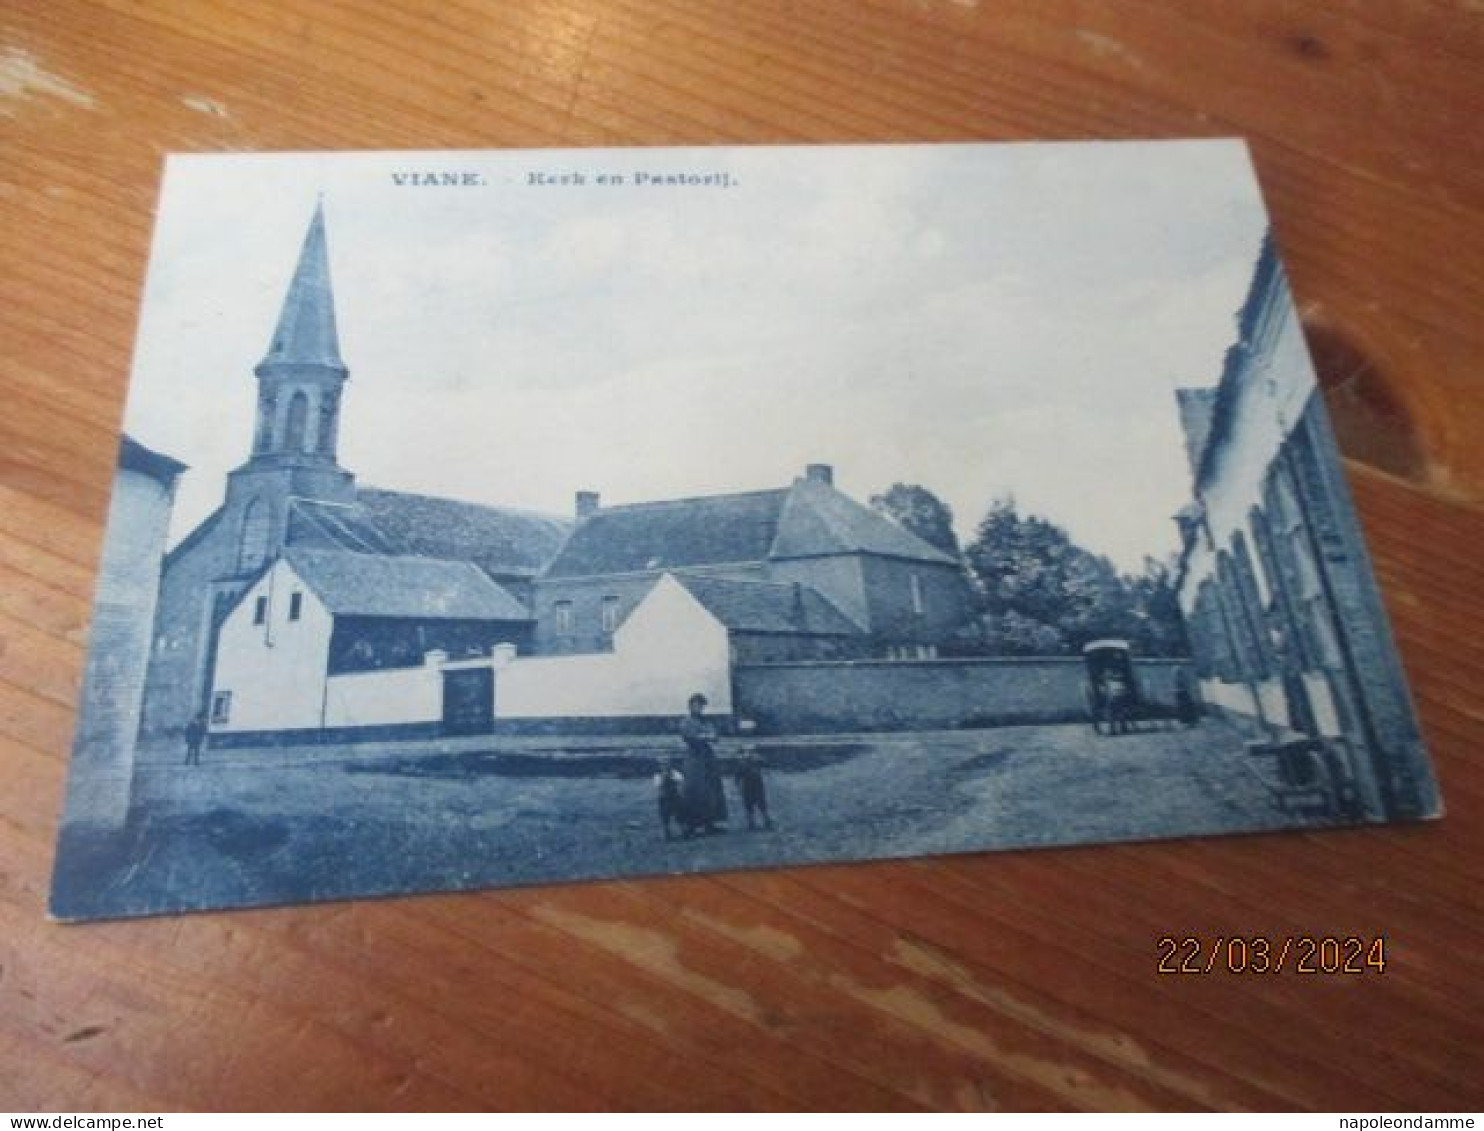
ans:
x=1020 y=980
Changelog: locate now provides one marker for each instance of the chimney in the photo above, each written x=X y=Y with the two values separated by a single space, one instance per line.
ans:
x=820 y=473
x=587 y=504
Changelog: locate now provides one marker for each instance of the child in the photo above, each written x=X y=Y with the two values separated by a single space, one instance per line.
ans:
x=669 y=784
x=749 y=775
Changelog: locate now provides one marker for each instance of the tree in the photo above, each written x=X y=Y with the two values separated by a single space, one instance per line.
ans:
x=922 y=512
x=1040 y=593
x=1162 y=627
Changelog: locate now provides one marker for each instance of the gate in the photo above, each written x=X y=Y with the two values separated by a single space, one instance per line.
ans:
x=468 y=701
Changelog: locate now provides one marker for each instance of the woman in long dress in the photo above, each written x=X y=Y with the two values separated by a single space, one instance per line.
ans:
x=705 y=800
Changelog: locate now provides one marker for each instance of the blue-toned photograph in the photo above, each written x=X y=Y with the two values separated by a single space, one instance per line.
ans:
x=490 y=518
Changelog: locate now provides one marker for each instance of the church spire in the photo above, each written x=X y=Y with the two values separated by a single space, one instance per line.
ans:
x=306 y=334
x=300 y=378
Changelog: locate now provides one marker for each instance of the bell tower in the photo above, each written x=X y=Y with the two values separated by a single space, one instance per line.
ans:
x=300 y=378
x=297 y=429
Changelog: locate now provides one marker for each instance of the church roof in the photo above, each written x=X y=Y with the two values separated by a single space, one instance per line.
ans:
x=502 y=541
x=808 y=519
x=306 y=333
x=768 y=606
x=377 y=585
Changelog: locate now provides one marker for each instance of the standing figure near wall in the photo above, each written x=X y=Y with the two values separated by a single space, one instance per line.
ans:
x=754 y=789
x=669 y=787
x=1187 y=702
x=705 y=800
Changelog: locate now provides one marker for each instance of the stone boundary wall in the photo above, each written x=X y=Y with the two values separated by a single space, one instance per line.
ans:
x=883 y=695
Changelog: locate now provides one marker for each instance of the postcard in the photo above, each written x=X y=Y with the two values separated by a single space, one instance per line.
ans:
x=489 y=518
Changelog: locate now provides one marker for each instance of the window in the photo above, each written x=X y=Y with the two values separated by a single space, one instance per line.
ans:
x=1244 y=622
x=1215 y=656
x=1280 y=584
x=1250 y=598
x=221 y=707
x=252 y=537
x=262 y=438
x=610 y=613
x=298 y=417
x=326 y=440
x=260 y=611
x=918 y=608
x=296 y=605
x=563 y=615
x=1294 y=551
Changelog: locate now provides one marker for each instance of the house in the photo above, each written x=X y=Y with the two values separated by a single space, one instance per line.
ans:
x=774 y=621
x=292 y=492
x=850 y=564
x=668 y=648
x=1281 y=608
x=332 y=645
x=323 y=639
x=98 y=787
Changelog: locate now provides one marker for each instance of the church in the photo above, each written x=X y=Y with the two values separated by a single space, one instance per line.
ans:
x=292 y=491
x=802 y=572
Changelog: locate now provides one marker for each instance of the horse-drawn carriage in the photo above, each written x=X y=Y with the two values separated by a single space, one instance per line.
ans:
x=1117 y=703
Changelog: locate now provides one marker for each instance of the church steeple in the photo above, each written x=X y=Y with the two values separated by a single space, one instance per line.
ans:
x=306 y=326
x=300 y=377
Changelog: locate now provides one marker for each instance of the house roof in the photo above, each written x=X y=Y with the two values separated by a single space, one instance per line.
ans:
x=768 y=606
x=1196 y=407
x=378 y=585
x=818 y=520
x=134 y=456
x=502 y=541
x=1268 y=286
x=808 y=519
x=675 y=533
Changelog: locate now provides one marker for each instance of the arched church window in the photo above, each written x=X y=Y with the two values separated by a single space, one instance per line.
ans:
x=252 y=538
x=262 y=438
x=326 y=424
x=298 y=418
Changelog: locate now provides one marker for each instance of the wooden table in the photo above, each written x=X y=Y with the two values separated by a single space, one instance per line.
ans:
x=1013 y=980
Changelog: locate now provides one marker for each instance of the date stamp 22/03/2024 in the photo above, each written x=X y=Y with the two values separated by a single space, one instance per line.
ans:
x=1263 y=954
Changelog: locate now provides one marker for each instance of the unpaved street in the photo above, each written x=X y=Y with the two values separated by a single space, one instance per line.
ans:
x=262 y=827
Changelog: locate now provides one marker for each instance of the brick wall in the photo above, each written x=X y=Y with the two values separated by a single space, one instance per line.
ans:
x=924 y=695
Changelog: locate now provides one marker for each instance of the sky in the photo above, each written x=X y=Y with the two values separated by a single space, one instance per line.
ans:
x=984 y=320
